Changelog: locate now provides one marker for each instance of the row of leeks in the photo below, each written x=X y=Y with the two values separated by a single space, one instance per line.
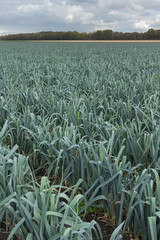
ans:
x=39 y=211
x=128 y=194
x=87 y=112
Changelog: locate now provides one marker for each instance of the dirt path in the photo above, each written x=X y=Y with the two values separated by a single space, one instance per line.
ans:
x=95 y=41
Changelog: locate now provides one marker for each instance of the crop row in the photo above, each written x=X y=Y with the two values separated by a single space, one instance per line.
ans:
x=82 y=113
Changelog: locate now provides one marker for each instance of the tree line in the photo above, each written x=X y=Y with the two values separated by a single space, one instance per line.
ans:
x=151 y=34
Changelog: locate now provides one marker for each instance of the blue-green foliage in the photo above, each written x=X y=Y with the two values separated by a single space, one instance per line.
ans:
x=89 y=111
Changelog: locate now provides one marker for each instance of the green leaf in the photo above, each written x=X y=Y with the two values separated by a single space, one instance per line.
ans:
x=116 y=232
x=152 y=226
x=14 y=230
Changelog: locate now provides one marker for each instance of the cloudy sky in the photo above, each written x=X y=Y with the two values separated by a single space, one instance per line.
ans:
x=17 y=16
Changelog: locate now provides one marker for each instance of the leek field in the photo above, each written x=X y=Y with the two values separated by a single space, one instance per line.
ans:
x=79 y=135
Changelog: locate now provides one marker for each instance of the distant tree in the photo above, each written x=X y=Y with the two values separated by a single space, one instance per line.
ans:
x=127 y=36
x=108 y=34
x=157 y=34
x=135 y=36
x=115 y=35
x=151 y=34
x=103 y=35
x=98 y=35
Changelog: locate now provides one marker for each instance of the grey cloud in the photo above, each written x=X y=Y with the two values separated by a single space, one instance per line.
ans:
x=81 y=15
x=150 y=5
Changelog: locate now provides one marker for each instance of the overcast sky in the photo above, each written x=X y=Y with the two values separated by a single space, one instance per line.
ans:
x=18 y=16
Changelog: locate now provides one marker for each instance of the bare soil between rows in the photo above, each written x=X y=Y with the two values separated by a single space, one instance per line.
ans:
x=106 y=227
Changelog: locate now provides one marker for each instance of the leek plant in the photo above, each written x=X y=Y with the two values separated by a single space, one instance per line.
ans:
x=79 y=111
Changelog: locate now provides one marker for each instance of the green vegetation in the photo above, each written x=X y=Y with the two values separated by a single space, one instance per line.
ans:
x=151 y=34
x=79 y=130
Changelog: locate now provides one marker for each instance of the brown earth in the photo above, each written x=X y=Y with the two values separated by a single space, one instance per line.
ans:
x=106 y=227
x=96 y=41
x=4 y=234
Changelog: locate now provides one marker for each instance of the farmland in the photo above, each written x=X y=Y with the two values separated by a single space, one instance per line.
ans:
x=79 y=133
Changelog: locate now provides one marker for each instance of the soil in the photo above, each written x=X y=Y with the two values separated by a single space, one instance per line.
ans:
x=106 y=227
x=97 y=41
x=105 y=224
x=4 y=234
